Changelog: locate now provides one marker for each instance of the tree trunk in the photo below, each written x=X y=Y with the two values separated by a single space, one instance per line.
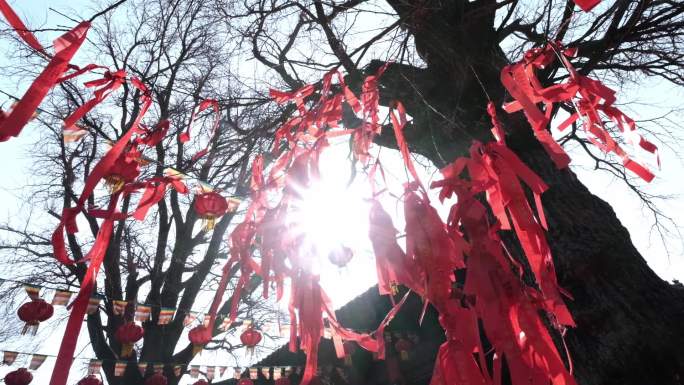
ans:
x=630 y=323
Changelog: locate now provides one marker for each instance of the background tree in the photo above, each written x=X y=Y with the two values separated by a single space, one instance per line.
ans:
x=168 y=260
x=446 y=58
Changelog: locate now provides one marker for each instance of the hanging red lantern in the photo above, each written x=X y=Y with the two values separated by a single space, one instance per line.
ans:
x=128 y=334
x=20 y=376
x=349 y=349
x=209 y=206
x=250 y=338
x=201 y=382
x=90 y=380
x=245 y=381
x=156 y=379
x=199 y=336
x=340 y=256
x=33 y=313
x=403 y=346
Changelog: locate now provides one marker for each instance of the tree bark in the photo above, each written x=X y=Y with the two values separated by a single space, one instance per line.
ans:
x=630 y=323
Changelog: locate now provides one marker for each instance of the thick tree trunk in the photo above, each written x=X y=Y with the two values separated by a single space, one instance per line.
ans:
x=630 y=323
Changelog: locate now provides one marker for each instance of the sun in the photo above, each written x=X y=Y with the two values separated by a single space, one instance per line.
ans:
x=332 y=214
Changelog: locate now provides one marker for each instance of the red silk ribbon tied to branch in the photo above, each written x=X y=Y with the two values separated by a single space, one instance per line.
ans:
x=590 y=97
x=20 y=28
x=509 y=311
x=185 y=136
x=65 y=48
x=107 y=84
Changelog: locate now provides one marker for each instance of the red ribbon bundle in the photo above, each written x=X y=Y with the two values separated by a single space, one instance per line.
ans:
x=509 y=310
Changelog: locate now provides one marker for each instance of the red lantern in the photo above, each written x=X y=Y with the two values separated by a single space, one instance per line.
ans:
x=201 y=382
x=90 y=380
x=156 y=379
x=199 y=336
x=250 y=338
x=209 y=206
x=128 y=334
x=349 y=349
x=33 y=313
x=245 y=381
x=20 y=376
x=403 y=346
x=340 y=256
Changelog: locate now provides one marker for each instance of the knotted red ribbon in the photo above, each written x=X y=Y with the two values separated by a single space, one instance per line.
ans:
x=108 y=84
x=594 y=97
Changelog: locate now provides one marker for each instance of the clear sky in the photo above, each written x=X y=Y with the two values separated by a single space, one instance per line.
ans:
x=344 y=284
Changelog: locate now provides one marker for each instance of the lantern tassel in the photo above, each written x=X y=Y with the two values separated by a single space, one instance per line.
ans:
x=114 y=183
x=126 y=350
x=30 y=329
x=209 y=223
x=197 y=349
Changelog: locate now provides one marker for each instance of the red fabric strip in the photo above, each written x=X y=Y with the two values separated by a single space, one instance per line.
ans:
x=110 y=82
x=96 y=255
x=20 y=28
x=65 y=48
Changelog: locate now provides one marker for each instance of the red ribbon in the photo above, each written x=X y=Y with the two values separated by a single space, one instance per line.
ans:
x=96 y=255
x=65 y=48
x=185 y=136
x=108 y=84
x=20 y=28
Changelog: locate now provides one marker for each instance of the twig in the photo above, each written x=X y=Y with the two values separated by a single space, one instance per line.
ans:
x=111 y=7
